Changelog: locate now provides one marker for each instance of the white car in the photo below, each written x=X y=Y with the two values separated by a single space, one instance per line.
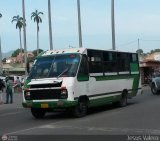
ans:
x=155 y=84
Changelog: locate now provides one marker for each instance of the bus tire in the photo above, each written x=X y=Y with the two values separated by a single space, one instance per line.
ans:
x=123 y=100
x=38 y=113
x=153 y=89
x=81 y=109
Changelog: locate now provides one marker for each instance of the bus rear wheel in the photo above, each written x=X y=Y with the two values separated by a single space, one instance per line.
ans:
x=81 y=109
x=38 y=113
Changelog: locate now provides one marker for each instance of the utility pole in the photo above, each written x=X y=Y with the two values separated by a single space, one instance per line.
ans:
x=1 y=66
x=138 y=44
x=24 y=36
x=138 y=49
x=113 y=25
x=79 y=24
x=50 y=25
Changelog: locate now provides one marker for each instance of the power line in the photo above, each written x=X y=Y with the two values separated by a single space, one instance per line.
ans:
x=149 y=40
x=135 y=41
x=128 y=43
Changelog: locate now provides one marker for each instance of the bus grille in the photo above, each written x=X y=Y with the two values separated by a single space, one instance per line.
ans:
x=46 y=85
x=45 y=94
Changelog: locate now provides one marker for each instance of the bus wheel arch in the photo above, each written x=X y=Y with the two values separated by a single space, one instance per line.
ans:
x=81 y=108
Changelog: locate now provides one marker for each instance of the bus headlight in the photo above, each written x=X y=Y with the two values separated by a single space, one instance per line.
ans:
x=64 y=93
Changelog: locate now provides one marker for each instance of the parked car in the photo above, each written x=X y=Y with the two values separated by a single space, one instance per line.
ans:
x=155 y=84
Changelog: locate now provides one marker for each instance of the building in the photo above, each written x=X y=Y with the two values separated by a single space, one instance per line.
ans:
x=148 y=65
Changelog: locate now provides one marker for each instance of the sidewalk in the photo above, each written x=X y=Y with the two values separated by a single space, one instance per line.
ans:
x=17 y=101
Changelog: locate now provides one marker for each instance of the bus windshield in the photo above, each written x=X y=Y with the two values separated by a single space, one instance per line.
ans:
x=65 y=65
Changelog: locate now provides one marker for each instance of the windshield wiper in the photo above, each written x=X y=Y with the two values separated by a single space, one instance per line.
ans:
x=63 y=72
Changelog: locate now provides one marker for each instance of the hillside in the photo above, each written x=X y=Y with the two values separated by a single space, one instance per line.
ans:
x=7 y=54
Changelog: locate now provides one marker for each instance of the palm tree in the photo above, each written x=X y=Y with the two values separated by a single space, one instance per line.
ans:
x=36 y=16
x=19 y=25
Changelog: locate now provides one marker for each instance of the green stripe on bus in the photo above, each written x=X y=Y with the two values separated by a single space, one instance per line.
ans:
x=135 y=84
x=103 y=101
x=134 y=67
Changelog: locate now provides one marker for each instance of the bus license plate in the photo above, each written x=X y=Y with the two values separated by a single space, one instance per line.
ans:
x=44 y=105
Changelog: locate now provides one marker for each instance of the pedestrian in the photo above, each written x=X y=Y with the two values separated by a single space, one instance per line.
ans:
x=18 y=82
x=17 y=87
x=9 y=93
x=2 y=86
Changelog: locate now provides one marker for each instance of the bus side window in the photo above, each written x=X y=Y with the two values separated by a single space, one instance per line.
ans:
x=83 y=74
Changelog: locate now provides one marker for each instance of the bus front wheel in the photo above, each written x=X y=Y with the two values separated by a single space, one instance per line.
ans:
x=81 y=109
x=38 y=113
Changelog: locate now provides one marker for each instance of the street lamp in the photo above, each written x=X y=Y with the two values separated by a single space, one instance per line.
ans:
x=50 y=25
x=24 y=36
x=113 y=25
x=79 y=23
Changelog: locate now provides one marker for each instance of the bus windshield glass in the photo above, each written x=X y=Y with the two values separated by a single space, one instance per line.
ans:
x=65 y=65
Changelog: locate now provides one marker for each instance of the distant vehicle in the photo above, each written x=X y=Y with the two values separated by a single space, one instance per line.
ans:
x=78 y=78
x=155 y=84
x=3 y=78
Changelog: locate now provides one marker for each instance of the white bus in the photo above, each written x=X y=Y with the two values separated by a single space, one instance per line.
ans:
x=80 y=78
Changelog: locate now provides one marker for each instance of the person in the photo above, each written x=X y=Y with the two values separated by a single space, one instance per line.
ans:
x=9 y=93
x=18 y=82
x=2 y=86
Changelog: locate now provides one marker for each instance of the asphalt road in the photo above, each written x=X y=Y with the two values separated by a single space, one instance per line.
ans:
x=141 y=116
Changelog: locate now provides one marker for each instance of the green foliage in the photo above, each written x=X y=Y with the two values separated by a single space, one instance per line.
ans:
x=19 y=21
x=0 y=15
x=36 y=17
x=4 y=60
x=16 y=52
x=139 y=51
x=156 y=50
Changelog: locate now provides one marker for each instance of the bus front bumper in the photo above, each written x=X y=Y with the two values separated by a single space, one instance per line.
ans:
x=50 y=104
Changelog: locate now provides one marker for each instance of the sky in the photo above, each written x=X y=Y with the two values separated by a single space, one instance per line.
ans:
x=134 y=19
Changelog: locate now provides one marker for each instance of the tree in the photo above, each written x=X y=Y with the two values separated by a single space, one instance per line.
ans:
x=156 y=50
x=139 y=51
x=16 y=52
x=37 y=18
x=35 y=52
x=0 y=15
x=19 y=25
x=4 y=60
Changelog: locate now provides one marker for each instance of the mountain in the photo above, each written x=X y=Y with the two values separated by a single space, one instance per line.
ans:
x=7 y=54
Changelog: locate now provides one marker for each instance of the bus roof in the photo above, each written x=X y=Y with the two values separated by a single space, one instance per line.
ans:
x=63 y=51
x=75 y=50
